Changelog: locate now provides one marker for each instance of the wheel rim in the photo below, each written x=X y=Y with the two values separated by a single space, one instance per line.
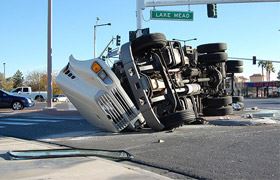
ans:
x=17 y=106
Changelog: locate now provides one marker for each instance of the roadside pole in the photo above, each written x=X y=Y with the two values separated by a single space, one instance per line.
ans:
x=49 y=52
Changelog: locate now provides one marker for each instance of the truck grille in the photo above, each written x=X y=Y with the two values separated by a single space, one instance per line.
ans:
x=122 y=102
x=113 y=112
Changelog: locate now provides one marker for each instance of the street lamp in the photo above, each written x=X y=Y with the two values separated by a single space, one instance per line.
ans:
x=180 y=40
x=94 y=30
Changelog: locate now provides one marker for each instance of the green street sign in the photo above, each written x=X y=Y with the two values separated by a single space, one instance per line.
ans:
x=172 y=15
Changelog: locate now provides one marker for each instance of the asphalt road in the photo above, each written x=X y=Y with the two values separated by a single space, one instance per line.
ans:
x=198 y=151
x=271 y=103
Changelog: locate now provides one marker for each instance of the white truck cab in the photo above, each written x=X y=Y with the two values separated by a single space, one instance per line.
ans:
x=96 y=92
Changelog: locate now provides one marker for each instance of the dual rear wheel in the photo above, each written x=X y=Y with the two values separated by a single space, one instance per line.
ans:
x=217 y=106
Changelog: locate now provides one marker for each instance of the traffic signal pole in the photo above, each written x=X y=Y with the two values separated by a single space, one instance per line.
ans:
x=142 y=4
x=152 y=3
x=49 y=53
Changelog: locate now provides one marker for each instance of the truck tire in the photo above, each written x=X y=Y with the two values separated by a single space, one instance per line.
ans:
x=213 y=47
x=234 y=63
x=236 y=99
x=241 y=105
x=217 y=102
x=213 y=57
x=177 y=119
x=17 y=105
x=236 y=69
x=222 y=111
x=142 y=43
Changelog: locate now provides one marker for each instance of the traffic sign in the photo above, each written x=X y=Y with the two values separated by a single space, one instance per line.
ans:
x=171 y=15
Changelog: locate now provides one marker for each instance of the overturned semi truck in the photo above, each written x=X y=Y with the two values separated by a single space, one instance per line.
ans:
x=155 y=83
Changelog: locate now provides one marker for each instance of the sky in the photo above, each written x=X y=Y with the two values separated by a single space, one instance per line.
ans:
x=249 y=29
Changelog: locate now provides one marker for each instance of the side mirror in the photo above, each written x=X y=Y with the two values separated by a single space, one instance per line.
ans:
x=19 y=92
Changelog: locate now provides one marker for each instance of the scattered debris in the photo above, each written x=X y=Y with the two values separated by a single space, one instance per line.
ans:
x=254 y=108
x=259 y=115
x=160 y=141
x=237 y=107
x=247 y=116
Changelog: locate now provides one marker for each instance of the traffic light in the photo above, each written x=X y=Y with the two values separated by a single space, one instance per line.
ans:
x=109 y=49
x=212 y=10
x=254 y=60
x=118 y=40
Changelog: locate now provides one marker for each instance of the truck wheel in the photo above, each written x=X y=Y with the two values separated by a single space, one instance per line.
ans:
x=213 y=57
x=234 y=66
x=177 y=119
x=39 y=98
x=234 y=63
x=213 y=47
x=222 y=111
x=241 y=105
x=236 y=69
x=142 y=43
x=17 y=105
x=236 y=99
x=216 y=101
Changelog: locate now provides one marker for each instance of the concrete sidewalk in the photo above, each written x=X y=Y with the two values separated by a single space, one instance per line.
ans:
x=63 y=168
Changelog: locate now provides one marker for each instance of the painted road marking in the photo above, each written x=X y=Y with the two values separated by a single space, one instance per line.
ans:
x=16 y=123
x=29 y=120
x=48 y=118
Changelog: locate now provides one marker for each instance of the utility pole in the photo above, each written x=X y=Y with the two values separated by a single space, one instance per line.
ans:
x=49 y=52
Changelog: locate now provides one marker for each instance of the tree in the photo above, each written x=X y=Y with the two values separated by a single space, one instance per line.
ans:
x=37 y=81
x=269 y=68
x=56 y=88
x=8 y=84
x=263 y=65
x=2 y=80
x=18 y=79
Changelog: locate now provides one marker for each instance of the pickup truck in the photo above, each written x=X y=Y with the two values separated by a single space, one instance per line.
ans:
x=155 y=83
x=27 y=92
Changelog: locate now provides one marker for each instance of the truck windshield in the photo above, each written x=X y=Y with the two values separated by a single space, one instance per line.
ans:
x=16 y=90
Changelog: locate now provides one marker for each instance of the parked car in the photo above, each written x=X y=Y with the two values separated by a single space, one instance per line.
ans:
x=8 y=100
x=60 y=98
x=27 y=92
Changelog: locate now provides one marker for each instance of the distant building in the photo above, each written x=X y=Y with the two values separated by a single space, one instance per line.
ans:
x=256 y=78
x=241 y=79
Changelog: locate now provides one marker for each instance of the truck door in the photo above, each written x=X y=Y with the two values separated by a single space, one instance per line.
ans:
x=25 y=91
